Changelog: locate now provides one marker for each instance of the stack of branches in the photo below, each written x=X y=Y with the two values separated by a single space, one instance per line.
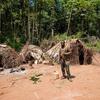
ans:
x=71 y=44
x=9 y=58
x=54 y=51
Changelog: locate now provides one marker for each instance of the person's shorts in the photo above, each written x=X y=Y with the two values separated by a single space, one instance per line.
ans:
x=67 y=64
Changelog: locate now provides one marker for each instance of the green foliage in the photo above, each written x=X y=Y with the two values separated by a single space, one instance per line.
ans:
x=35 y=20
x=64 y=36
x=14 y=44
x=98 y=46
x=60 y=37
x=35 y=78
x=95 y=46
x=80 y=35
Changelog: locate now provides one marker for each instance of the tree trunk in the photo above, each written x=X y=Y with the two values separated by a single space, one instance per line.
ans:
x=0 y=23
x=29 y=35
x=52 y=32
x=33 y=29
x=69 y=21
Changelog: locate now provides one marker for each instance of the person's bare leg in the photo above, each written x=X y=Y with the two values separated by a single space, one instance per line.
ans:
x=68 y=71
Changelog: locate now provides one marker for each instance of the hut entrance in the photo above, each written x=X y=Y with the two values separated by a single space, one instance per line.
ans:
x=1 y=61
x=81 y=56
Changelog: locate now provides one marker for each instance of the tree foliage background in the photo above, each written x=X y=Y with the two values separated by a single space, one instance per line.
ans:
x=34 y=20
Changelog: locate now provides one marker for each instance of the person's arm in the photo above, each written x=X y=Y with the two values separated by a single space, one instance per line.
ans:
x=67 y=53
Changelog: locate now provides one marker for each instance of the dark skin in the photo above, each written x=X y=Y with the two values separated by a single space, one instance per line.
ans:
x=62 y=58
x=66 y=52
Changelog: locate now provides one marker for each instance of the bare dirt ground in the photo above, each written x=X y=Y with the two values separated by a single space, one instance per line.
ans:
x=85 y=85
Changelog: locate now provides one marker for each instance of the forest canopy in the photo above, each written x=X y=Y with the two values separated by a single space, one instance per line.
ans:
x=34 y=20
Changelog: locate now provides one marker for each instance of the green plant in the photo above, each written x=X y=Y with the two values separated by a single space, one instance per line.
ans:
x=36 y=78
x=60 y=37
x=95 y=46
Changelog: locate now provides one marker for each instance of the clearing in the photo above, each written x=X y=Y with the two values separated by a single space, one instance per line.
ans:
x=85 y=85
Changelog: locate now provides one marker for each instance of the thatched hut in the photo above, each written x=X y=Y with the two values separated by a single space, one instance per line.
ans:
x=32 y=53
x=9 y=58
x=76 y=57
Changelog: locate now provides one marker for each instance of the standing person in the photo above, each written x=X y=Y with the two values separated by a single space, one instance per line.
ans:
x=64 y=60
x=81 y=52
